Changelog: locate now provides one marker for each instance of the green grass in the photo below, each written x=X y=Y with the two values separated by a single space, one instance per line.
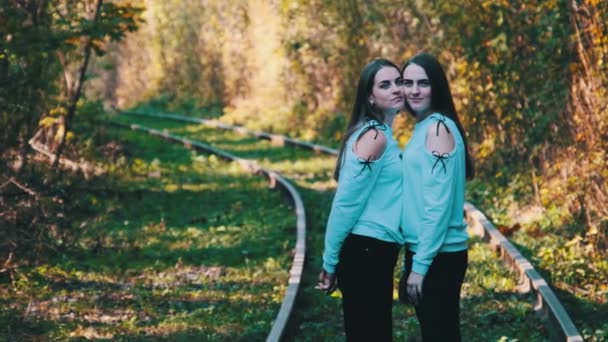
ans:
x=492 y=310
x=181 y=246
x=557 y=245
x=577 y=274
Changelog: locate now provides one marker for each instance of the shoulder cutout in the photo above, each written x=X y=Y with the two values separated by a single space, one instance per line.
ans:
x=439 y=138
x=370 y=145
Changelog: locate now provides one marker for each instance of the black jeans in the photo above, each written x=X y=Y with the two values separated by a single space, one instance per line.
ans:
x=365 y=278
x=439 y=310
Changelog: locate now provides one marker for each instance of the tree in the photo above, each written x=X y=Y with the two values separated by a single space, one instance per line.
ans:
x=85 y=33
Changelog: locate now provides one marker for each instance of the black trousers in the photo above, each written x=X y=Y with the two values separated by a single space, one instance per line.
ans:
x=365 y=278
x=439 y=310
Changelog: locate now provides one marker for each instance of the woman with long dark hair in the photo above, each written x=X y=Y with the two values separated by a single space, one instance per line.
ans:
x=436 y=164
x=363 y=237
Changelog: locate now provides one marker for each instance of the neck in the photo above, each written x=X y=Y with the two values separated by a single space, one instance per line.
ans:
x=389 y=116
x=423 y=115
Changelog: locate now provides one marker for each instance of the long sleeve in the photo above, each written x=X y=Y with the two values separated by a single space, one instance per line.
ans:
x=433 y=192
x=357 y=179
x=438 y=182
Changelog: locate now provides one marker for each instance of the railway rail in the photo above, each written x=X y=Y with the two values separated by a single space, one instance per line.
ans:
x=295 y=273
x=547 y=304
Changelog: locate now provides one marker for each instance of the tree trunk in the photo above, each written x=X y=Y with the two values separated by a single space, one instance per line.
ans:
x=355 y=54
x=75 y=95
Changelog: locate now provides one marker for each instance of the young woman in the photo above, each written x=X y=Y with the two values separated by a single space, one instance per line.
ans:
x=436 y=164
x=363 y=237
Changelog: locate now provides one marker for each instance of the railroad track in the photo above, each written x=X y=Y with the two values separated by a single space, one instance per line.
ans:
x=295 y=273
x=547 y=304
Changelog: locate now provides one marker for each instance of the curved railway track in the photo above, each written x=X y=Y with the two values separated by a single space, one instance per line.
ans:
x=295 y=273
x=547 y=304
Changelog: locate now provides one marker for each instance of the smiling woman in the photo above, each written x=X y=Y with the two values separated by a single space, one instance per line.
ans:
x=436 y=164
x=417 y=88
x=363 y=236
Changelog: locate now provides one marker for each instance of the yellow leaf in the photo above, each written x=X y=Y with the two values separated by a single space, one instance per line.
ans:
x=574 y=241
x=73 y=40
x=47 y=121
x=592 y=230
x=57 y=111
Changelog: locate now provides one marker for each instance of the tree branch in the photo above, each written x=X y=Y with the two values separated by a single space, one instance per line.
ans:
x=74 y=97
x=20 y=186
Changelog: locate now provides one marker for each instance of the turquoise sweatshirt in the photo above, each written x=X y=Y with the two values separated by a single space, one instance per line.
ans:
x=433 y=196
x=368 y=198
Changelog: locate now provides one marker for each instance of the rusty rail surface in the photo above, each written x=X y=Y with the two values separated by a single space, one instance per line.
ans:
x=547 y=304
x=295 y=273
x=276 y=139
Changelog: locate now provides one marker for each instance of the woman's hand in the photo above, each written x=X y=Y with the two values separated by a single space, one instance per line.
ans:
x=414 y=287
x=327 y=282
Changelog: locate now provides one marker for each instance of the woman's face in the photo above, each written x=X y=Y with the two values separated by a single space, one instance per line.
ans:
x=387 y=92
x=417 y=88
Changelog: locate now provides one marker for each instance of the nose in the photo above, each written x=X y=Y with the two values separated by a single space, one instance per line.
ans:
x=415 y=89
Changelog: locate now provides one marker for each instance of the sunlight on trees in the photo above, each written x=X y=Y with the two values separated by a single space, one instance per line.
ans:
x=530 y=80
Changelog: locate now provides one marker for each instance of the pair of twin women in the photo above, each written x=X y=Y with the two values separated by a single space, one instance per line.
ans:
x=387 y=198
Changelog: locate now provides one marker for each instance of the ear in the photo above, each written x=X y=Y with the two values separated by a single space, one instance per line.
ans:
x=371 y=99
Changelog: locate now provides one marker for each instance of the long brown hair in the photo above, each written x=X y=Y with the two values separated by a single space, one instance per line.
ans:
x=362 y=109
x=441 y=98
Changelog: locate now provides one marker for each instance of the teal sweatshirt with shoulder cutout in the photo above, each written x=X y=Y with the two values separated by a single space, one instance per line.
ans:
x=433 y=195
x=368 y=198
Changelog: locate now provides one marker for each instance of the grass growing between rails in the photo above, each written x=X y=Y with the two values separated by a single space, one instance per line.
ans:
x=567 y=253
x=178 y=246
x=492 y=310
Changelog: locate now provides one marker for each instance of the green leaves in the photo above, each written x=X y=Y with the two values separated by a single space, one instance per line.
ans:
x=113 y=23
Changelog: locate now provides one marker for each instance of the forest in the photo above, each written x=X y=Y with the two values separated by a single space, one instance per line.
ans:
x=530 y=80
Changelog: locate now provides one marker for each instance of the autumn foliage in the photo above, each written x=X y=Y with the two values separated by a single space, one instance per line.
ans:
x=530 y=80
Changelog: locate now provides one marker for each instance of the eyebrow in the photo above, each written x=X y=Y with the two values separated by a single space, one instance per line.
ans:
x=389 y=81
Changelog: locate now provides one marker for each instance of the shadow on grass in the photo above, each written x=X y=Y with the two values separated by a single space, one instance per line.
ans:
x=148 y=228
x=14 y=327
x=141 y=312
x=588 y=315
x=493 y=315
x=242 y=145
x=146 y=237
x=318 y=317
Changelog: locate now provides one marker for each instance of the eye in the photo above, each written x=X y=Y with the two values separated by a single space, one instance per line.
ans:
x=424 y=83
x=384 y=84
x=399 y=82
x=407 y=83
